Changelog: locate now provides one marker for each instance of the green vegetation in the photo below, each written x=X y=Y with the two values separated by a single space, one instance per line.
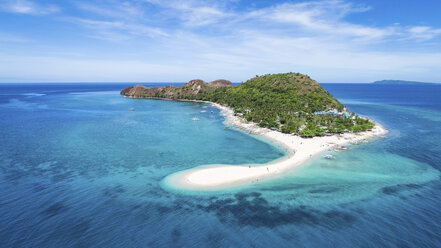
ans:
x=318 y=125
x=287 y=102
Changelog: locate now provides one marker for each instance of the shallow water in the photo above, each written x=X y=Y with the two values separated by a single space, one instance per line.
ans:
x=78 y=169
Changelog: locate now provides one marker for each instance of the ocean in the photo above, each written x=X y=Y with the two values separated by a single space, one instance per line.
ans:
x=79 y=169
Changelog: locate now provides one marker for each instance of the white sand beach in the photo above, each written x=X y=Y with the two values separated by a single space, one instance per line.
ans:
x=214 y=177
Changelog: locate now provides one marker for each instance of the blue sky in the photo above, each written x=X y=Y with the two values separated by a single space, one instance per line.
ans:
x=164 y=41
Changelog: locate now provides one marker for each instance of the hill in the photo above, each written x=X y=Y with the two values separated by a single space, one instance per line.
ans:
x=288 y=102
x=192 y=90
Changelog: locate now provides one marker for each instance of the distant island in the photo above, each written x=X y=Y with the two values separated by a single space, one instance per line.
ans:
x=400 y=82
x=287 y=102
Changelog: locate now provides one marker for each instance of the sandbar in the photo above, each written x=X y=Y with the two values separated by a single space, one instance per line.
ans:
x=299 y=150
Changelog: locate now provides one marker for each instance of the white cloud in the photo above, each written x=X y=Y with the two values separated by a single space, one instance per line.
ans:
x=324 y=18
x=118 y=31
x=113 y=9
x=193 y=13
x=200 y=15
x=117 y=21
x=423 y=32
x=180 y=40
x=27 y=7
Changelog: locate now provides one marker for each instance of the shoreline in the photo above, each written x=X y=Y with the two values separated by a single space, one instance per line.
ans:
x=299 y=150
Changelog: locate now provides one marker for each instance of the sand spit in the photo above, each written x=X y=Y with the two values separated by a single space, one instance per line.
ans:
x=217 y=177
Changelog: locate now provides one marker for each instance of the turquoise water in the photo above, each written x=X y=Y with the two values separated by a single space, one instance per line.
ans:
x=78 y=169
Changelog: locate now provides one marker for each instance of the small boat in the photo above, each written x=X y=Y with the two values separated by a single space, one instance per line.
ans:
x=132 y=109
x=203 y=111
x=343 y=148
x=329 y=156
x=195 y=119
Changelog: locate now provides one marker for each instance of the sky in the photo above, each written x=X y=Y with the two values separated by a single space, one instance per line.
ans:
x=343 y=41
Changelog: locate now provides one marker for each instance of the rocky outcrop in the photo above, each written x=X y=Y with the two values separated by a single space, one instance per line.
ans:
x=134 y=91
x=220 y=83
x=189 y=90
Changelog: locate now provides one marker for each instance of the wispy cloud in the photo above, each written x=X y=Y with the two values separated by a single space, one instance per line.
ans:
x=11 y=38
x=194 y=13
x=112 y=9
x=118 y=31
x=212 y=39
x=27 y=7
x=117 y=21
x=423 y=32
x=322 y=18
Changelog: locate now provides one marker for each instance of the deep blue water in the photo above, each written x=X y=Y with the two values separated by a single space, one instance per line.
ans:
x=78 y=169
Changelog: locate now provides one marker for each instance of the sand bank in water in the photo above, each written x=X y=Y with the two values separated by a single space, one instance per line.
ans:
x=217 y=177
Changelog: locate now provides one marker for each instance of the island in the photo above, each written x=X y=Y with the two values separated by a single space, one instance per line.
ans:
x=290 y=109
x=402 y=82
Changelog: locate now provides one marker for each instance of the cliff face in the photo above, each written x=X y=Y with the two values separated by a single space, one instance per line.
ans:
x=189 y=90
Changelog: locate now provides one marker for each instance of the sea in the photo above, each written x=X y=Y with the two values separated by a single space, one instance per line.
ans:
x=78 y=168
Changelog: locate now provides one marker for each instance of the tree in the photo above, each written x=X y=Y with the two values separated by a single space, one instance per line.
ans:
x=307 y=133
x=319 y=132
